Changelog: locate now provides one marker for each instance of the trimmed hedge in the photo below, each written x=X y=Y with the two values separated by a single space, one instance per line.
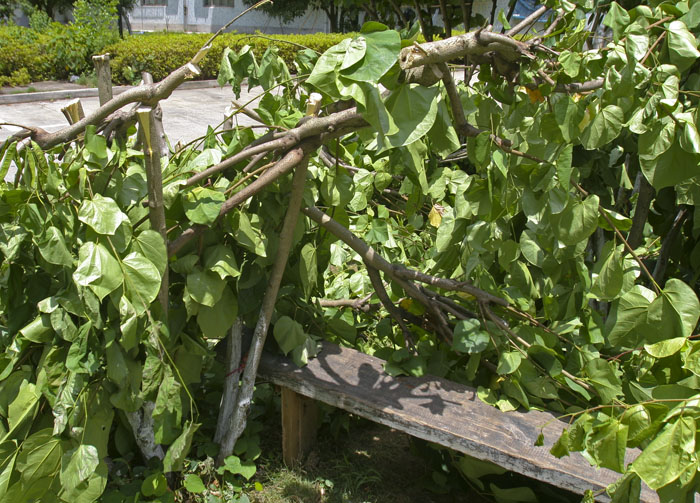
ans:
x=27 y=55
x=161 y=53
x=26 y=52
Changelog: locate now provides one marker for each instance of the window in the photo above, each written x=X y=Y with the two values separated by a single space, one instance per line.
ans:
x=218 y=3
x=154 y=2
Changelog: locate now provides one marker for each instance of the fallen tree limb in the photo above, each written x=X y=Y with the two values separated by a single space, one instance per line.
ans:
x=245 y=394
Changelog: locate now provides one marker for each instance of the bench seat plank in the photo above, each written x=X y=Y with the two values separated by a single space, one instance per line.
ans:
x=443 y=412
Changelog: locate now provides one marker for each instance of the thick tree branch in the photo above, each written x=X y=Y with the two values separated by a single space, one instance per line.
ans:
x=527 y=22
x=268 y=305
x=230 y=394
x=394 y=271
x=357 y=304
x=470 y=44
x=641 y=212
x=147 y=94
x=667 y=246
x=151 y=140
x=395 y=313
x=313 y=127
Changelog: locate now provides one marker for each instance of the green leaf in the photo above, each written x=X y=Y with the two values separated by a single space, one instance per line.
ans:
x=206 y=158
x=577 y=222
x=530 y=249
x=670 y=449
x=608 y=283
x=97 y=269
x=167 y=413
x=178 y=450
x=382 y=52
x=53 y=247
x=675 y=312
x=220 y=259
x=607 y=445
x=141 y=281
x=322 y=75
x=39 y=330
x=40 y=457
x=355 y=52
x=628 y=316
x=665 y=348
x=603 y=377
x=604 y=127
x=202 y=205
x=155 y=485
x=102 y=214
x=234 y=465
x=77 y=465
x=508 y=362
x=469 y=337
x=22 y=407
x=570 y=63
x=215 y=321
x=682 y=45
x=627 y=489
x=672 y=167
x=308 y=269
x=617 y=19
x=414 y=109
x=150 y=244
x=194 y=484
x=249 y=233
x=289 y=334
x=205 y=287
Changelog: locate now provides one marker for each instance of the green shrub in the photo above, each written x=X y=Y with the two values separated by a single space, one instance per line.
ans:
x=161 y=53
x=19 y=77
x=58 y=51
x=27 y=50
x=92 y=29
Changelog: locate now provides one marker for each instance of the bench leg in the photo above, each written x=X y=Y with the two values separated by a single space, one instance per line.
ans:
x=299 y=417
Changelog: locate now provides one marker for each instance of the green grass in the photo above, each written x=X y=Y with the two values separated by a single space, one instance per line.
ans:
x=369 y=463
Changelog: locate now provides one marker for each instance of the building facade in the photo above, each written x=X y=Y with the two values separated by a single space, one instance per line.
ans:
x=210 y=15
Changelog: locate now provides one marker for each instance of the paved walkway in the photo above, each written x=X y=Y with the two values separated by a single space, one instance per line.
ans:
x=186 y=114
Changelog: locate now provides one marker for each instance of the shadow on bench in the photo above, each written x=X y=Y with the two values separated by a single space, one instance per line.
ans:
x=431 y=408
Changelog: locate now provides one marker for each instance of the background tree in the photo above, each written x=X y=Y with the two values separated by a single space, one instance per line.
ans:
x=123 y=9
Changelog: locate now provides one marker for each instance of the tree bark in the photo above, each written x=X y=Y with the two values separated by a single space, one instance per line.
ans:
x=154 y=180
x=245 y=395
x=641 y=212
x=104 y=77
x=445 y=18
x=229 y=398
x=421 y=21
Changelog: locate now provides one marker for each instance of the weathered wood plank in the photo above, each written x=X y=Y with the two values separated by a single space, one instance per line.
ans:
x=443 y=412
x=299 y=420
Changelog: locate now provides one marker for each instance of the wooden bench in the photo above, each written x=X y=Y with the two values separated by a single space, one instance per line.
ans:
x=431 y=408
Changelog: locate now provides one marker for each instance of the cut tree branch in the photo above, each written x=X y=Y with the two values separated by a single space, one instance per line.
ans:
x=394 y=271
x=245 y=394
x=395 y=312
x=474 y=43
x=230 y=393
x=527 y=22
x=667 y=246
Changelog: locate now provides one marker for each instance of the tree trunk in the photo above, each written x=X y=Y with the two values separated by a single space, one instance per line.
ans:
x=446 y=18
x=494 y=5
x=120 y=24
x=397 y=9
x=421 y=21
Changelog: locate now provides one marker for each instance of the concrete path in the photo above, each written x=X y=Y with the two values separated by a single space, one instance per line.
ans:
x=186 y=114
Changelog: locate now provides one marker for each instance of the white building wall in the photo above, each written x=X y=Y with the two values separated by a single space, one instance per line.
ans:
x=192 y=15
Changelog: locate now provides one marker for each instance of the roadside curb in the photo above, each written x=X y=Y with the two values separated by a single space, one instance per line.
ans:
x=66 y=94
